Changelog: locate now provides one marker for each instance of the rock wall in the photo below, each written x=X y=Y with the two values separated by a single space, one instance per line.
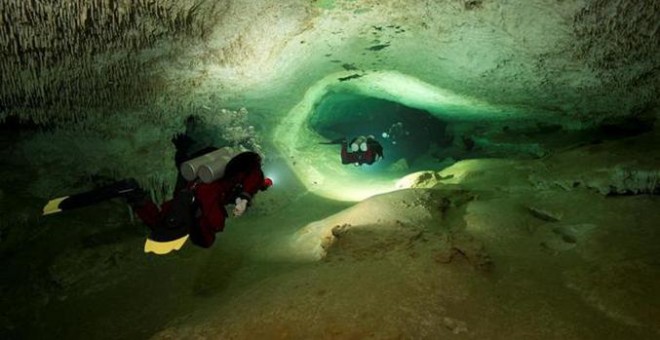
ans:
x=583 y=59
x=128 y=72
x=62 y=59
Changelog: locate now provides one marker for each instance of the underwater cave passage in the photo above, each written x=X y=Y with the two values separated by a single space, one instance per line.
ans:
x=408 y=135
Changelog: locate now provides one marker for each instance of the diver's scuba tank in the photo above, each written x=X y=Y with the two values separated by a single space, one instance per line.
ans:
x=208 y=167
x=359 y=144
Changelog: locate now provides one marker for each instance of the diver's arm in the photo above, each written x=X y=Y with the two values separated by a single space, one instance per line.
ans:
x=251 y=184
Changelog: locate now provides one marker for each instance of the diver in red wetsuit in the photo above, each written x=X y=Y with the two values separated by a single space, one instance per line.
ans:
x=198 y=208
x=361 y=150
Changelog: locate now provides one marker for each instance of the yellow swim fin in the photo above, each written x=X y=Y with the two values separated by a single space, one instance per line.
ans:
x=53 y=206
x=164 y=247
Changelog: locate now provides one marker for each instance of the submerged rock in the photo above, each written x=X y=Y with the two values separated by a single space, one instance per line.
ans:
x=544 y=215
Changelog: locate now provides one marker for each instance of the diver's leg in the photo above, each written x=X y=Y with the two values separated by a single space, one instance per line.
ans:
x=142 y=205
x=345 y=159
x=203 y=237
x=149 y=214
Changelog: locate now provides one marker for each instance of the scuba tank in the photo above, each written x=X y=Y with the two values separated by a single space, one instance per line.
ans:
x=208 y=167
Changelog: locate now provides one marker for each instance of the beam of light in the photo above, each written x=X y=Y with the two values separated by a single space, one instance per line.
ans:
x=355 y=192
x=376 y=215
x=318 y=166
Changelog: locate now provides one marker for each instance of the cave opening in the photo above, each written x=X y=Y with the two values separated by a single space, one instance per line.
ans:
x=408 y=135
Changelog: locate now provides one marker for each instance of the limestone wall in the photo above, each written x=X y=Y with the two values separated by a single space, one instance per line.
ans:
x=581 y=59
x=115 y=69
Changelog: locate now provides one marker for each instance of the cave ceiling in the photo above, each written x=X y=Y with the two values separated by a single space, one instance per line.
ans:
x=65 y=60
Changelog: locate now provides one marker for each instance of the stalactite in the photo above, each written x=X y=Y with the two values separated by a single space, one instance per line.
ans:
x=51 y=70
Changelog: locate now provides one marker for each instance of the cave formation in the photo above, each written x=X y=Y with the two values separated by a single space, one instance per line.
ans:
x=521 y=201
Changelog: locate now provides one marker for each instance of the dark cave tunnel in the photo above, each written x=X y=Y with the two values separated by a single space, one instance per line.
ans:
x=344 y=114
x=405 y=133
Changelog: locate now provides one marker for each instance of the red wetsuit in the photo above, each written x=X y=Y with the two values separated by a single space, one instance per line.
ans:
x=359 y=157
x=211 y=198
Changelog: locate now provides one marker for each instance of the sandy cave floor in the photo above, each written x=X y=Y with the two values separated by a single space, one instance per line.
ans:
x=487 y=261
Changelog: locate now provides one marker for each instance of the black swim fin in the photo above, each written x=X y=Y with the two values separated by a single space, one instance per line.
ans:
x=118 y=189
x=160 y=241
x=335 y=141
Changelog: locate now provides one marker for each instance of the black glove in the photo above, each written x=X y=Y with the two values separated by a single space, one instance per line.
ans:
x=182 y=142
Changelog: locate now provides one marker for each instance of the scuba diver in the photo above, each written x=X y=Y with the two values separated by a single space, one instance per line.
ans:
x=207 y=181
x=361 y=150
x=201 y=194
